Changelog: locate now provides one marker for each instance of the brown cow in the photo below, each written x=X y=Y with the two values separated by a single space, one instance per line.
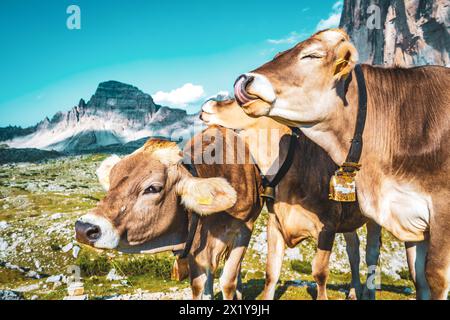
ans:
x=145 y=208
x=403 y=183
x=302 y=208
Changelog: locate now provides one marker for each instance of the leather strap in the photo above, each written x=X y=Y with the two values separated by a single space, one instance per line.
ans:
x=288 y=161
x=282 y=171
x=354 y=154
x=195 y=218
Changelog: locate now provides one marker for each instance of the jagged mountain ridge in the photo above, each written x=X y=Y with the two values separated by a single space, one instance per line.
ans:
x=411 y=33
x=116 y=114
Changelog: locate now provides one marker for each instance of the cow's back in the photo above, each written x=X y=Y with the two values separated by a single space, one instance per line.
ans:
x=410 y=118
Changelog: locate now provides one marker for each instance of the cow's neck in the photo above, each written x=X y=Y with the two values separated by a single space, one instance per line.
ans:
x=264 y=140
x=335 y=133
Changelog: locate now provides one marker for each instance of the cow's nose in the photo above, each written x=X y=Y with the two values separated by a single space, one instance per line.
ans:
x=240 y=89
x=86 y=232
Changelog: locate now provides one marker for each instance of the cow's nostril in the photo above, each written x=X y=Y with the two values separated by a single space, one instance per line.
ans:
x=93 y=233
x=201 y=116
x=86 y=232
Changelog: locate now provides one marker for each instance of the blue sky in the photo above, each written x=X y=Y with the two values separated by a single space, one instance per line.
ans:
x=195 y=46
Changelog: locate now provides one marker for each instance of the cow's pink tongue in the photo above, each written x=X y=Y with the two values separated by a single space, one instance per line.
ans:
x=241 y=95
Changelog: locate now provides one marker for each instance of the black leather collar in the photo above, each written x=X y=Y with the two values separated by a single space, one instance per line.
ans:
x=288 y=161
x=354 y=154
x=193 y=224
x=269 y=185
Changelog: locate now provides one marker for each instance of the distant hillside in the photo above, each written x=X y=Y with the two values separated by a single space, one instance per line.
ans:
x=26 y=155
x=10 y=132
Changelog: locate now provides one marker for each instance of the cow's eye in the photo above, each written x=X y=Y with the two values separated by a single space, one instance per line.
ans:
x=153 y=189
x=312 y=56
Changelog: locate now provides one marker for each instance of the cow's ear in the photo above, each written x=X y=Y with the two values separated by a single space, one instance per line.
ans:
x=105 y=169
x=206 y=195
x=346 y=59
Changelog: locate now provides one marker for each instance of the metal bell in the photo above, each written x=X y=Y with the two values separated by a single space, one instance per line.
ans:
x=268 y=193
x=343 y=186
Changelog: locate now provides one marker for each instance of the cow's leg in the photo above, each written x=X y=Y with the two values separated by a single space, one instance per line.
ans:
x=201 y=279
x=321 y=263
x=239 y=286
x=209 y=286
x=320 y=272
x=352 y=248
x=275 y=253
x=416 y=254
x=372 y=259
x=438 y=258
x=229 y=278
x=198 y=283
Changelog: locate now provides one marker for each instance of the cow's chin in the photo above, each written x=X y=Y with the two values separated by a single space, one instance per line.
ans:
x=257 y=108
x=169 y=242
x=207 y=118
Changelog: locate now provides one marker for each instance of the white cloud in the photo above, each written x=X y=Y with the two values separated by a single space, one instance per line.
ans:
x=180 y=97
x=293 y=37
x=333 y=19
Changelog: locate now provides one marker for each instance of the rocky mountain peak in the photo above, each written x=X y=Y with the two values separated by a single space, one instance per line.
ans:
x=115 y=95
x=44 y=124
x=412 y=32
x=82 y=104
x=117 y=114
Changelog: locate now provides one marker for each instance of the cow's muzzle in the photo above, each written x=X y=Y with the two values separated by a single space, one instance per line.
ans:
x=240 y=90
x=87 y=233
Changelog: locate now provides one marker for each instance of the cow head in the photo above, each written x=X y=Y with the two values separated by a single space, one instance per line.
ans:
x=226 y=113
x=300 y=86
x=148 y=194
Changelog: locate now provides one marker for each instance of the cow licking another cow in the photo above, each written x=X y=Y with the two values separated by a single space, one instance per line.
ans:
x=387 y=128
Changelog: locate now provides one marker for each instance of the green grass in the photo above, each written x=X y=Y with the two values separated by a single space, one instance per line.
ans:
x=159 y=266
x=301 y=266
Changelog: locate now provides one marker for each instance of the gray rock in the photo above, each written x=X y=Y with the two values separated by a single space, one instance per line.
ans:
x=113 y=276
x=411 y=33
x=67 y=247
x=56 y=216
x=407 y=290
x=53 y=279
x=10 y=295
x=82 y=297
x=32 y=274
x=31 y=287
x=75 y=251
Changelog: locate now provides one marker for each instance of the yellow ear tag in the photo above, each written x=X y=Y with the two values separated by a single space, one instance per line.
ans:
x=339 y=62
x=205 y=201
